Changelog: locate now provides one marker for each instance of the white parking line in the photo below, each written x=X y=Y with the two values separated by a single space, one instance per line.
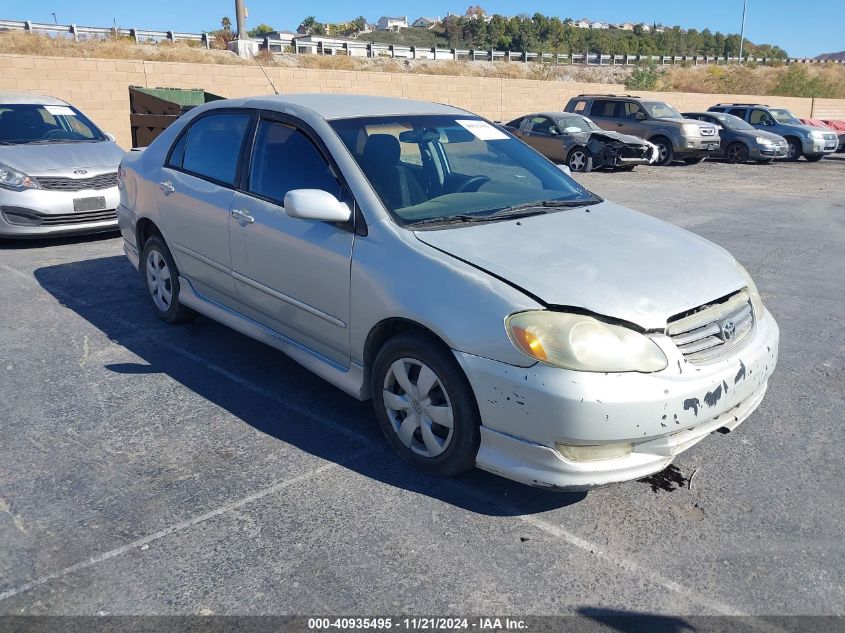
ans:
x=613 y=558
x=176 y=527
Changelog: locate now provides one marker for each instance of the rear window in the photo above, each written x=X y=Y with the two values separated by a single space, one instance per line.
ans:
x=580 y=107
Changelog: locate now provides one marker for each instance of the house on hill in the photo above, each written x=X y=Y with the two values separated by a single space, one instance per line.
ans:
x=387 y=23
x=423 y=22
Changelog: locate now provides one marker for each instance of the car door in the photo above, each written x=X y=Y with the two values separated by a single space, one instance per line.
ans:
x=604 y=113
x=194 y=194
x=629 y=123
x=760 y=119
x=291 y=275
x=538 y=134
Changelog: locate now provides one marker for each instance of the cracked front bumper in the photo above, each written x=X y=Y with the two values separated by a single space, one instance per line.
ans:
x=525 y=412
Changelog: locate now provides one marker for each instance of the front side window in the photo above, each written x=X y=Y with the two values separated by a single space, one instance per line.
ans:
x=631 y=109
x=33 y=124
x=213 y=146
x=283 y=159
x=469 y=168
x=760 y=117
x=661 y=110
x=541 y=125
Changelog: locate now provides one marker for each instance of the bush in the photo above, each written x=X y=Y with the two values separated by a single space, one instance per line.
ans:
x=645 y=77
x=797 y=82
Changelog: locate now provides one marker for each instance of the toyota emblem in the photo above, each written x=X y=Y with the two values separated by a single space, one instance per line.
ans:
x=728 y=330
x=80 y=172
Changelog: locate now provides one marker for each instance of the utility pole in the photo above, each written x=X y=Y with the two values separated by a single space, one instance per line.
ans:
x=55 y=19
x=742 y=29
x=240 y=18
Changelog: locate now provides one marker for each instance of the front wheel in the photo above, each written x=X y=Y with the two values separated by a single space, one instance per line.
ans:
x=737 y=153
x=665 y=153
x=580 y=160
x=161 y=279
x=695 y=161
x=425 y=405
x=814 y=158
x=794 y=149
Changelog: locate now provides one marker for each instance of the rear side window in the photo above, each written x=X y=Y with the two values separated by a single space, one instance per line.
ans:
x=212 y=146
x=604 y=108
x=580 y=107
x=283 y=159
x=515 y=123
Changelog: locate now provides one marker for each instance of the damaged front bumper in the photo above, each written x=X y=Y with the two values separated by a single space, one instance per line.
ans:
x=529 y=415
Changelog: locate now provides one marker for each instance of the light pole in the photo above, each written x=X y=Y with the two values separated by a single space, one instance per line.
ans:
x=742 y=28
x=240 y=18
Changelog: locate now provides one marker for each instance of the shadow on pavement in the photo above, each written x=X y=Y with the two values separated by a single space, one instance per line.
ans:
x=219 y=364
x=33 y=243
x=635 y=622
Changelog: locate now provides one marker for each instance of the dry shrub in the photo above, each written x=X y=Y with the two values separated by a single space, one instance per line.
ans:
x=329 y=62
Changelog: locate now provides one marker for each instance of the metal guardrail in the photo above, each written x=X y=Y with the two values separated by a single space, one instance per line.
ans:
x=330 y=46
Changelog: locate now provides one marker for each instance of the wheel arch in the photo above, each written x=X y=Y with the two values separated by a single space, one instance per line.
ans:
x=386 y=329
x=145 y=228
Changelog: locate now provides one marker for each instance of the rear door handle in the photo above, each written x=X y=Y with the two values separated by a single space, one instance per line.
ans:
x=243 y=216
x=167 y=187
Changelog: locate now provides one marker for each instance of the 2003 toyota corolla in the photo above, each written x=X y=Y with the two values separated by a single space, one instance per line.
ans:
x=497 y=313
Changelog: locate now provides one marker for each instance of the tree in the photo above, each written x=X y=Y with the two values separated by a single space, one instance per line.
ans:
x=261 y=30
x=475 y=11
x=226 y=24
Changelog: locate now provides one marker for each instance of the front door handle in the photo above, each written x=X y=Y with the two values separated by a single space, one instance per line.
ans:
x=167 y=187
x=243 y=216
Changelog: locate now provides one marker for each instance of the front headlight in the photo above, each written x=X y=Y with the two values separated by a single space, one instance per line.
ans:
x=817 y=134
x=11 y=178
x=764 y=141
x=753 y=293
x=582 y=343
x=691 y=129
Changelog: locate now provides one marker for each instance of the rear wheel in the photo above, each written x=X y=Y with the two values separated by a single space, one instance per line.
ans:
x=425 y=405
x=161 y=279
x=794 y=150
x=580 y=160
x=736 y=153
x=665 y=153
x=814 y=158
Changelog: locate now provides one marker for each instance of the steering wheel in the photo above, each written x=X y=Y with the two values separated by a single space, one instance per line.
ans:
x=473 y=184
x=57 y=133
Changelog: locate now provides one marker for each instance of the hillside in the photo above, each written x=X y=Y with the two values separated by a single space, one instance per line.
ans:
x=827 y=57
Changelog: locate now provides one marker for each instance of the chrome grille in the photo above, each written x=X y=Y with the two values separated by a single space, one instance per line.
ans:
x=55 y=183
x=713 y=330
x=831 y=137
x=25 y=217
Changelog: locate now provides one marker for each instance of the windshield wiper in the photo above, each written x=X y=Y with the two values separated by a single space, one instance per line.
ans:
x=547 y=204
x=447 y=219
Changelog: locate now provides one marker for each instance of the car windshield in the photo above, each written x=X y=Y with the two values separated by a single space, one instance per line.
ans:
x=453 y=168
x=661 y=110
x=732 y=122
x=784 y=116
x=22 y=124
x=582 y=123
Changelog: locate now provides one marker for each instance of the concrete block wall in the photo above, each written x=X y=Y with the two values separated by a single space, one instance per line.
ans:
x=100 y=88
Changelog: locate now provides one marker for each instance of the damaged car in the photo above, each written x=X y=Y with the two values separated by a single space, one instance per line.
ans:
x=580 y=144
x=497 y=313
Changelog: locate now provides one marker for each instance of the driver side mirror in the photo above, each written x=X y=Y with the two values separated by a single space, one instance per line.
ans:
x=640 y=116
x=316 y=204
x=554 y=131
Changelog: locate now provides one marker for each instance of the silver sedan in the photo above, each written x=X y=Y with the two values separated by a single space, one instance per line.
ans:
x=496 y=312
x=58 y=171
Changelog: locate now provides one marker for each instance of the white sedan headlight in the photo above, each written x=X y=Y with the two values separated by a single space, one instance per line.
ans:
x=753 y=293
x=11 y=178
x=582 y=343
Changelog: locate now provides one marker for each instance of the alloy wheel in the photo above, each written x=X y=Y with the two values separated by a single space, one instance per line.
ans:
x=159 y=281
x=418 y=407
x=577 y=160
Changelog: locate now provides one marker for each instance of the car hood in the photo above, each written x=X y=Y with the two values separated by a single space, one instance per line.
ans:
x=804 y=128
x=39 y=160
x=761 y=133
x=604 y=258
x=623 y=138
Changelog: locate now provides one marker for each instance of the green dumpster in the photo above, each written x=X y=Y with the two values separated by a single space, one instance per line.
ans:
x=153 y=109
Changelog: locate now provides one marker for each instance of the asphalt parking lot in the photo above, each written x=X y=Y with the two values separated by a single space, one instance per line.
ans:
x=146 y=468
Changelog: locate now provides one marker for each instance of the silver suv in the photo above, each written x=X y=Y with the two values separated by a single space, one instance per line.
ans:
x=813 y=143
x=677 y=138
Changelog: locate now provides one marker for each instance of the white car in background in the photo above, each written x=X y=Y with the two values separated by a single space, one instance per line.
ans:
x=58 y=171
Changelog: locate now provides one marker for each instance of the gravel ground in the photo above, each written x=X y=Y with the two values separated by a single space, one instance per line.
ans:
x=146 y=468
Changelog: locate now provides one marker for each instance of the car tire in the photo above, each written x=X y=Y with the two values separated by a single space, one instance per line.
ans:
x=665 y=153
x=736 y=153
x=580 y=160
x=695 y=161
x=764 y=161
x=161 y=279
x=416 y=424
x=795 y=150
x=814 y=158
x=626 y=168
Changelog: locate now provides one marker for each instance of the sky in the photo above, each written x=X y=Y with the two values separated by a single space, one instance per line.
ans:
x=803 y=29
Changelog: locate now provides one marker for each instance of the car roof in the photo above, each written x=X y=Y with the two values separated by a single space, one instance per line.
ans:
x=337 y=106
x=14 y=97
